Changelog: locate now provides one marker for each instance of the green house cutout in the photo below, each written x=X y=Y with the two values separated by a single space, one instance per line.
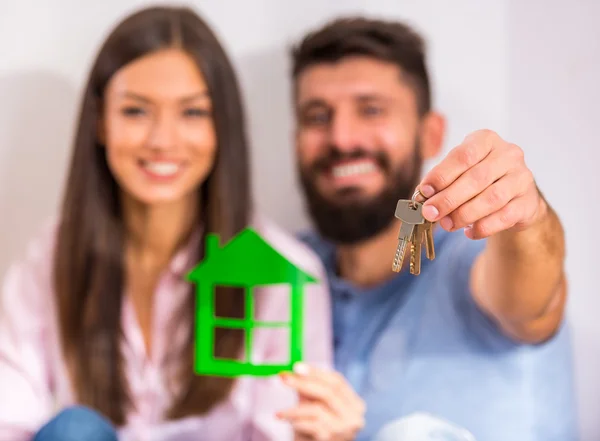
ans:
x=246 y=261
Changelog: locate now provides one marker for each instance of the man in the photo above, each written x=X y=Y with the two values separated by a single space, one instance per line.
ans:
x=478 y=338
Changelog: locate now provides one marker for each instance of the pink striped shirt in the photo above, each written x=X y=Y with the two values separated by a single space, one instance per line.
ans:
x=34 y=384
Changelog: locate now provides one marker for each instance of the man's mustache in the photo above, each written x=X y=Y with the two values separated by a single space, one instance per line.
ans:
x=335 y=155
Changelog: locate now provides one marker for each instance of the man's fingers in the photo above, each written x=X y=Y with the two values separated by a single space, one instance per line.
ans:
x=501 y=220
x=467 y=186
x=490 y=200
x=473 y=150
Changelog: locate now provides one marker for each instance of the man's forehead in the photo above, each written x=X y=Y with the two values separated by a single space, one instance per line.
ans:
x=350 y=78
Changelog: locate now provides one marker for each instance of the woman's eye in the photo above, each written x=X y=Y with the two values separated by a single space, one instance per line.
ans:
x=133 y=111
x=196 y=112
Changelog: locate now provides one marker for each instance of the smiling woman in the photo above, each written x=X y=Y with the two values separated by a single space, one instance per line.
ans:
x=98 y=314
x=161 y=133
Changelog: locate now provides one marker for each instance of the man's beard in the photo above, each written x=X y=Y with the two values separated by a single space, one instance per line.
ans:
x=352 y=218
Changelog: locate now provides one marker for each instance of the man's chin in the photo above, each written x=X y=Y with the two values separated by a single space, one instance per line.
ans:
x=351 y=215
x=351 y=233
x=349 y=223
x=348 y=197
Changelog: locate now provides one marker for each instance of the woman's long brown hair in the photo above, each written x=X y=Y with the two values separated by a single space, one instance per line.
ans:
x=89 y=269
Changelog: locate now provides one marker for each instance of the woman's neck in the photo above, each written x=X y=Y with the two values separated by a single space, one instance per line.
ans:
x=154 y=233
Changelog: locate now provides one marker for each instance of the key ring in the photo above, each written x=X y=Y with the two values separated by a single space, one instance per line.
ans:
x=417 y=193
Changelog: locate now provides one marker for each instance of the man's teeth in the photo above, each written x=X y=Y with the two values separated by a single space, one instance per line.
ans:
x=161 y=168
x=353 y=169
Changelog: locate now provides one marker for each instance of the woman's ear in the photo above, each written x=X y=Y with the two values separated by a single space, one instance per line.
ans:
x=433 y=132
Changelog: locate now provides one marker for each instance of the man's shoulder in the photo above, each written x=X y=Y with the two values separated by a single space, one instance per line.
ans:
x=312 y=239
x=318 y=244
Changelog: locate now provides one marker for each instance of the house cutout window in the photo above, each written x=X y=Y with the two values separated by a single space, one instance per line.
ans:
x=278 y=327
x=247 y=261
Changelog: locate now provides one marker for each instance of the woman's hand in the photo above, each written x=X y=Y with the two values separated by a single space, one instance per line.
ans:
x=328 y=408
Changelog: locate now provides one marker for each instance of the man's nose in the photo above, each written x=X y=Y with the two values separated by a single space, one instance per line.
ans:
x=163 y=132
x=345 y=132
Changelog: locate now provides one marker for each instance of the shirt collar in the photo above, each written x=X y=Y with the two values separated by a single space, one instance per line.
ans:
x=342 y=287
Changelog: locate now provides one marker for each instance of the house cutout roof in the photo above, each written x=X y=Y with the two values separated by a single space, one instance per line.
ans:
x=246 y=260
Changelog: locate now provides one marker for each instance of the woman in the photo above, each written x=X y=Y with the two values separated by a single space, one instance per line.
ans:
x=99 y=313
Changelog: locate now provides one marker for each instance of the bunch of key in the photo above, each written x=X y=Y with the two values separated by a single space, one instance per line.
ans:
x=415 y=230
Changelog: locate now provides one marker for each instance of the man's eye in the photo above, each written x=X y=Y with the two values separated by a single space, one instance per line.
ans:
x=317 y=118
x=371 y=110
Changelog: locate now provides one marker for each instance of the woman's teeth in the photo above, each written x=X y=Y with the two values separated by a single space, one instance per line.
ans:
x=161 y=168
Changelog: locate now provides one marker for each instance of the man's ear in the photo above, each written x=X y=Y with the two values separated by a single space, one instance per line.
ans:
x=433 y=132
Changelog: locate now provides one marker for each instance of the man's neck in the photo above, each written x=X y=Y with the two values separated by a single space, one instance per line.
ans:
x=369 y=263
x=155 y=233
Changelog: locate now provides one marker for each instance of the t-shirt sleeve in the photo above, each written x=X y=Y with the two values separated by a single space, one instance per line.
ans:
x=483 y=329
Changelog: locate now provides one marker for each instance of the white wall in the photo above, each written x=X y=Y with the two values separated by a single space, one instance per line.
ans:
x=40 y=79
x=554 y=95
x=463 y=89
x=493 y=65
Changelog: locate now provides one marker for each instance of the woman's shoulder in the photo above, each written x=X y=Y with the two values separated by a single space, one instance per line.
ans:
x=38 y=249
x=28 y=278
x=284 y=242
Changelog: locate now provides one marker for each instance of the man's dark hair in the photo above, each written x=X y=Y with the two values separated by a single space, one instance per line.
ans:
x=390 y=41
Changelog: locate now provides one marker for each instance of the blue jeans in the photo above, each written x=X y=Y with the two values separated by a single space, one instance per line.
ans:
x=77 y=424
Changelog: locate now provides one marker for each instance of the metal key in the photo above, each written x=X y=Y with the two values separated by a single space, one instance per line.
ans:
x=427 y=231
x=415 y=249
x=428 y=234
x=409 y=212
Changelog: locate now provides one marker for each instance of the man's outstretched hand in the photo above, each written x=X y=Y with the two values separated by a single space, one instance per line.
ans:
x=484 y=186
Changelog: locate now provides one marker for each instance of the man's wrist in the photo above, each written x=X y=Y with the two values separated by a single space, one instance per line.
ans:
x=542 y=210
x=539 y=217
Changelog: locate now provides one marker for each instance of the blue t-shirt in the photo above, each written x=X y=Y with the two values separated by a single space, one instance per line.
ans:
x=421 y=344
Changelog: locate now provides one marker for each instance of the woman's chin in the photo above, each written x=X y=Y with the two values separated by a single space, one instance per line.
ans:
x=159 y=198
